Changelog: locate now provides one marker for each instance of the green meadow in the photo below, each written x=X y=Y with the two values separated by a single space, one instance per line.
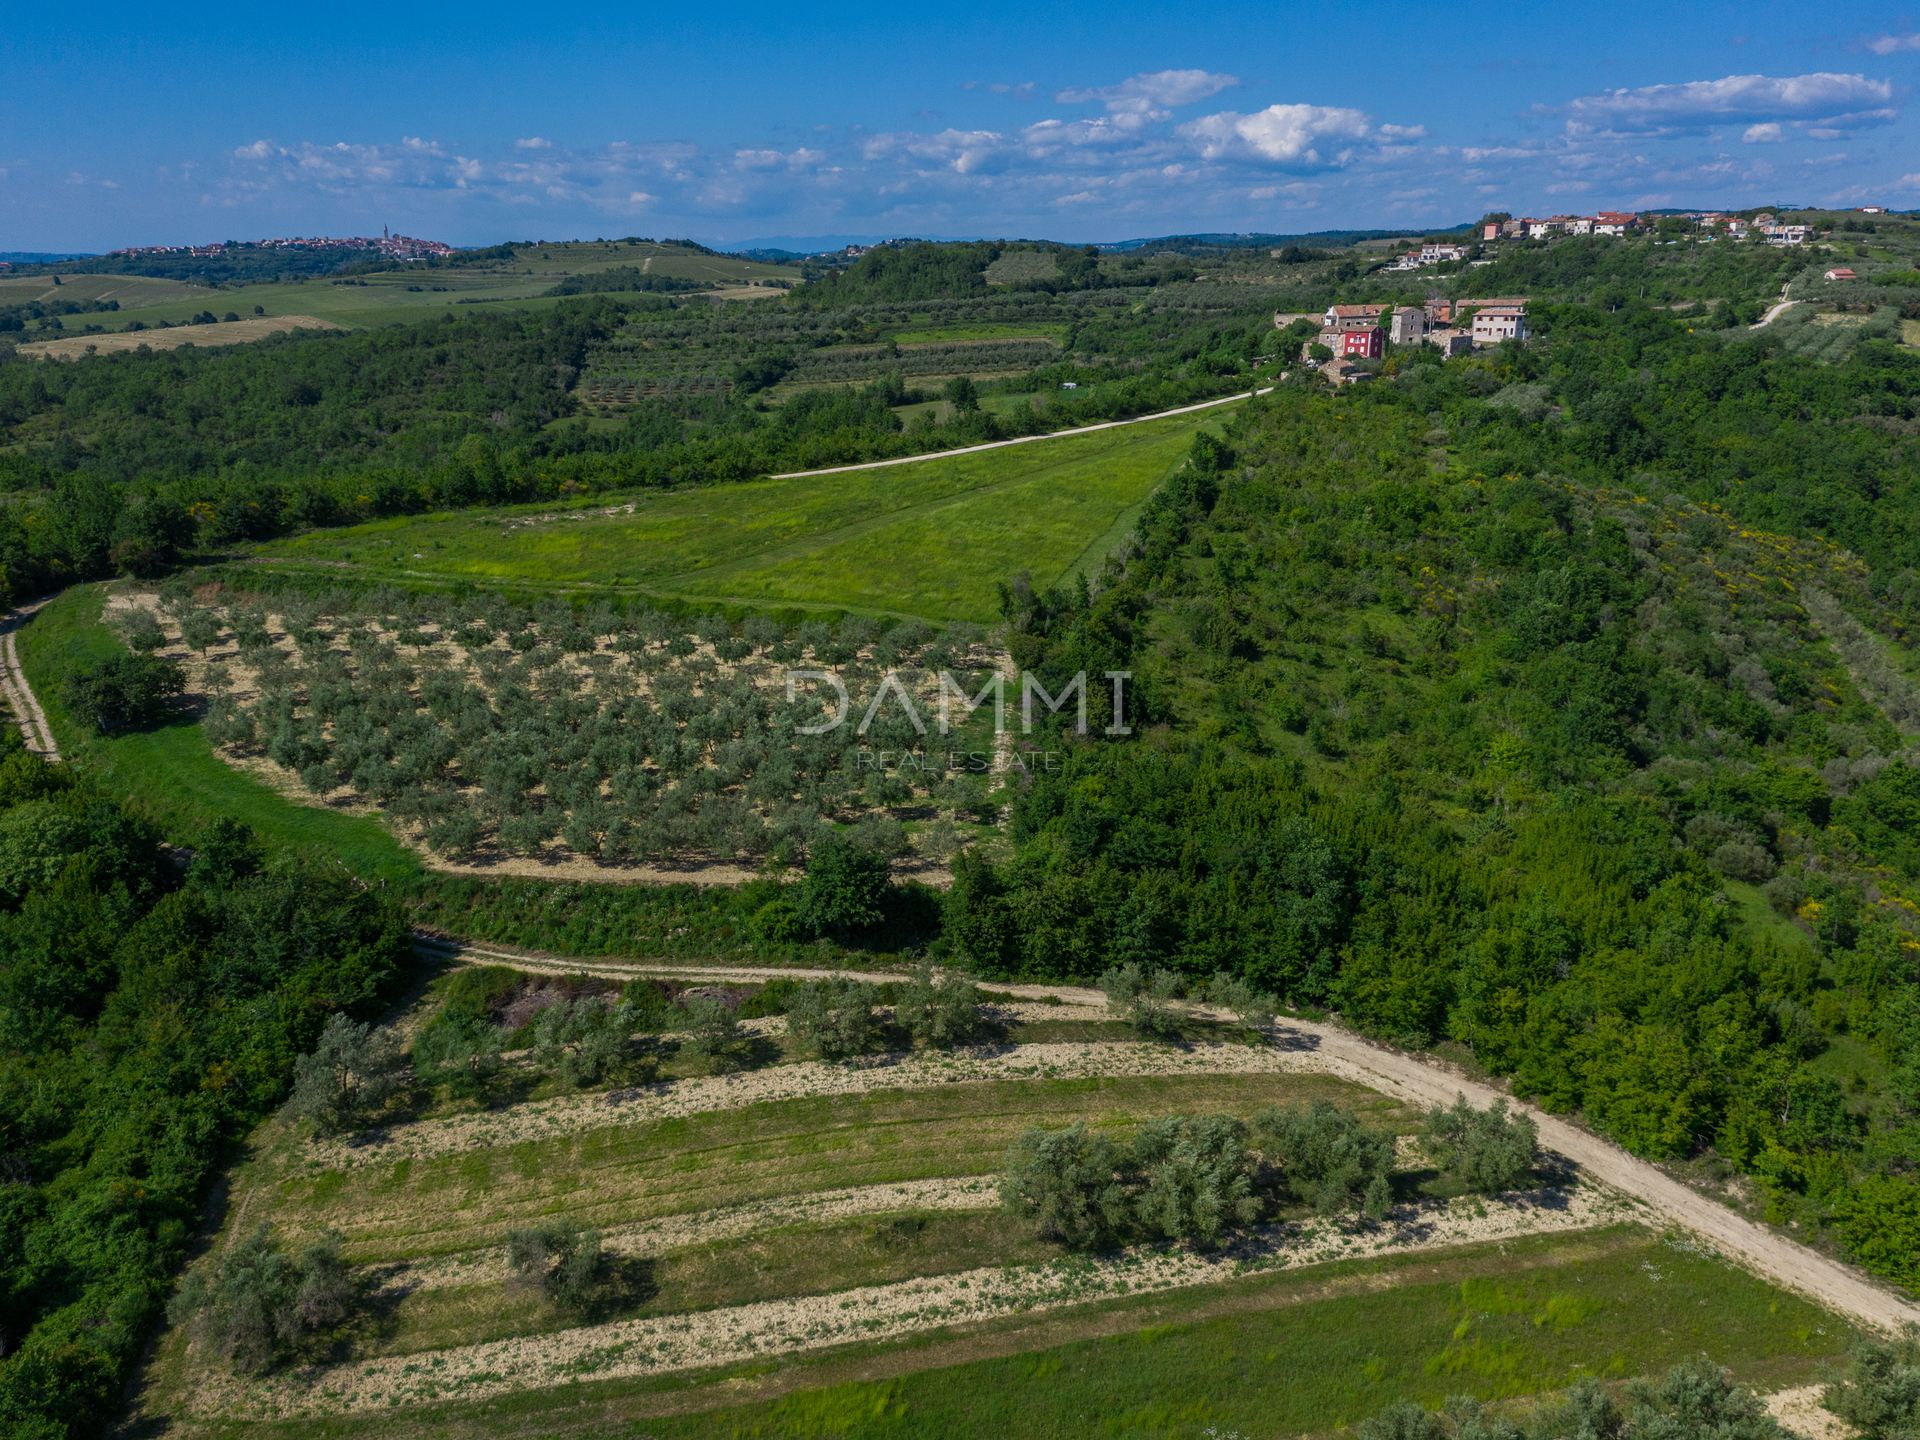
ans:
x=927 y=539
x=1299 y=1352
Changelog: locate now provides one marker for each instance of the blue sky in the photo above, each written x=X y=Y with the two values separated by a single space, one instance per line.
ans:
x=480 y=122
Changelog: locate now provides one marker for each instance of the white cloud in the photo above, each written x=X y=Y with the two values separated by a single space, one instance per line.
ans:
x=1842 y=101
x=1304 y=137
x=533 y=142
x=1768 y=134
x=1155 y=94
x=1891 y=44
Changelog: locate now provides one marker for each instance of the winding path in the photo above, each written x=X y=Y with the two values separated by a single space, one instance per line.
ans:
x=15 y=690
x=1418 y=1081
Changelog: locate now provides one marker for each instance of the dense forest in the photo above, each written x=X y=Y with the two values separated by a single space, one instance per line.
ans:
x=1511 y=724
x=151 y=1008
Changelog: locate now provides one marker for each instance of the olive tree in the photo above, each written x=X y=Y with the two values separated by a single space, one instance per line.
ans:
x=560 y=1259
x=253 y=1303
x=833 y=1016
x=1486 y=1150
x=938 y=1007
x=354 y=1070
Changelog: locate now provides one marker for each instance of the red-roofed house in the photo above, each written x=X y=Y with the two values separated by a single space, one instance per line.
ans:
x=1352 y=317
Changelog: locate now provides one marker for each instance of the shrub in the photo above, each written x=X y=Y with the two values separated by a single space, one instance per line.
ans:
x=1230 y=992
x=142 y=633
x=711 y=1024
x=1141 y=996
x=461 y=1052
x=938 y=1007
x=1486 y=1150
x=582 y=1040
x=1326 y=1157
x=201 y=630
x=123 y=692
x=351 y=1074
x=1070 y=1181
x=1196 y=1177
x=834 y=1017
x=1696 y=1398
x=563 y=1261
x=844 y=892
x=254 y=1303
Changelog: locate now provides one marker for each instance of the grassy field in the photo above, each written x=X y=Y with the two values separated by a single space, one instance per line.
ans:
x=622 y=1174
x=236 y=332
x=172 y=773
x=927 y=539
x=1504 y=1322
x=400 y=295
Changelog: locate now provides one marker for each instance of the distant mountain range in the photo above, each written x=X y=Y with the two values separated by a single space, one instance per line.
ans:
x=34 y=257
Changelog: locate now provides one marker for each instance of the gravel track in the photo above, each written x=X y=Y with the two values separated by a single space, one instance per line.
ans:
x=662 y=1345
x=17 y=692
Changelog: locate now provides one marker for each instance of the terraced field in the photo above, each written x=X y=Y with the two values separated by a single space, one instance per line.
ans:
x=800 y=1247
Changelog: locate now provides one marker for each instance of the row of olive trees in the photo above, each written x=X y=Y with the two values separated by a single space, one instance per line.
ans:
x=1144 y=998
x=356 y=1070
x=1196 y=1177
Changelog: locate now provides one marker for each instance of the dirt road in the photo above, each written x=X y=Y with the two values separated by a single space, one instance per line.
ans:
x=1024 y=439
x=15 y=690
x=1416 y=1081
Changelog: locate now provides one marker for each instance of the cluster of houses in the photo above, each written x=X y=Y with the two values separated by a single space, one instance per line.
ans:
x=393 y=247
x=1431 y=253
x=1454 y=327
x=1613 y=222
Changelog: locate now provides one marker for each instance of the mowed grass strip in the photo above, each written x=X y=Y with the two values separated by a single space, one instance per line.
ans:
x=622 y=1174
x=816 y=1259
x=171 y=773
x=1292 y=1353
x=926 y=539
x=942 y=558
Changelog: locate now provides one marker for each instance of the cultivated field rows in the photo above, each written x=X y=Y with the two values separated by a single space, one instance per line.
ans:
x=385 y=653
x=869 y=1313
x=573 y=1115
x=424 y=1223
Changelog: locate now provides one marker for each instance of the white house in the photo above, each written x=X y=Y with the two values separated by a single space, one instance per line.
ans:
x=1786 y=234
x=1499 y=322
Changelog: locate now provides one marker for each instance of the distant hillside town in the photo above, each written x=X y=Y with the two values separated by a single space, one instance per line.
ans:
x=1715 y=223
x=392 y=247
